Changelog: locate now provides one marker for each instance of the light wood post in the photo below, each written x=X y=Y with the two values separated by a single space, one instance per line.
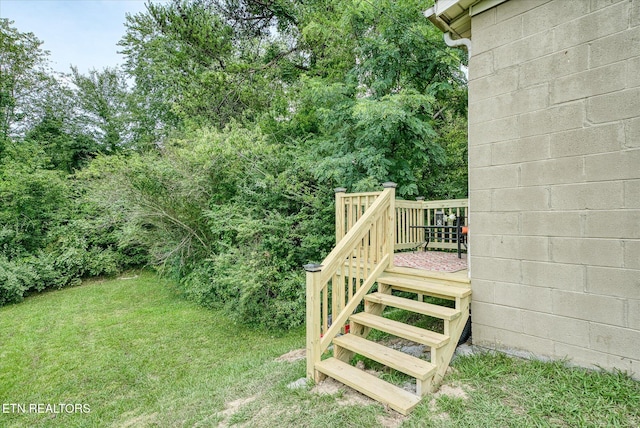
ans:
x=391 y=218
x=313 y=319
x=340 y=232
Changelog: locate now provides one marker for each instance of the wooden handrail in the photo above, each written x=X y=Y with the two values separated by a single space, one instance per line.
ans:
x=349 y=271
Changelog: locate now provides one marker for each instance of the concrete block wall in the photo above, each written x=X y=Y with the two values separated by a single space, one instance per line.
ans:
x=554 y=154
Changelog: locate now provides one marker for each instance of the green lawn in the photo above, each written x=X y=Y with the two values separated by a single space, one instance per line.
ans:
x=136 y=355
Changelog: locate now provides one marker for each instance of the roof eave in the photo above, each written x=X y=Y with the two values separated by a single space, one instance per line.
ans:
x=454 y=16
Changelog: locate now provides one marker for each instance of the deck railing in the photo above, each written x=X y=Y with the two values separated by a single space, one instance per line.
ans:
x=351 y=206
x=424 y=213
x=335 y=288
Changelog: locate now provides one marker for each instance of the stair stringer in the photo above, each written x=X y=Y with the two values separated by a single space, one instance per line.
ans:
x=442 y=357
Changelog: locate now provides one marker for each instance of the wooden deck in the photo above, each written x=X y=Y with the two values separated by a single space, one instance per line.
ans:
x=435 y=261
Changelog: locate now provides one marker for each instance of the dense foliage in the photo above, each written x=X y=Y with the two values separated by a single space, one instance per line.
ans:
x=213 y=152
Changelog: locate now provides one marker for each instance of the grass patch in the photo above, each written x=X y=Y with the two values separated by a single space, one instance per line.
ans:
x=511 y=392
x=140 y=356
x=135 y=352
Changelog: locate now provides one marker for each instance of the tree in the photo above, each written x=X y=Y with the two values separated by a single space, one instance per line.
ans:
x=22 y=78
x=104 y=102
x=186 y=67
x=379 y=113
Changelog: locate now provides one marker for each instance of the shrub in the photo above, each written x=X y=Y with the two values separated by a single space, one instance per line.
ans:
x=15 y=279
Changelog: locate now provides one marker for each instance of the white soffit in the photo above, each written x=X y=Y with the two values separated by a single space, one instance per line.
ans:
x=454 y=16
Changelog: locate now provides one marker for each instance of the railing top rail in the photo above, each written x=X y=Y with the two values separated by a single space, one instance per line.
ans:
x=352 y=195
x=445 y=203
x=343 y=248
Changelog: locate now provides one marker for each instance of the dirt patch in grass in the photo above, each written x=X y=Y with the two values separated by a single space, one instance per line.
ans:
x=349 y=396
x=140 y=421
x=232 y=407
x=452 y=391
x=292 y=356
x=391 y=419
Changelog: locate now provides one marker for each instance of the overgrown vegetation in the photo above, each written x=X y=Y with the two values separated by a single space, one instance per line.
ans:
x=212 y=153
x=138 y=355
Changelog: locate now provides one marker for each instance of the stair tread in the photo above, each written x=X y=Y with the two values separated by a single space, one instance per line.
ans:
x=397 y=360
x=423 y=286
x=414 y=306
x=399 y=329
x=459 y=278
x=397 y=398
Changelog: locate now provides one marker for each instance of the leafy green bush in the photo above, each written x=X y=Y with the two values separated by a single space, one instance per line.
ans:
x=15 y=279
x=229 y=215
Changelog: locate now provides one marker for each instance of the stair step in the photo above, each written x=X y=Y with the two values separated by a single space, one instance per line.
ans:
x=397 y=398
x=415 y=334
x=397 y=360
x=423 y=287
x=429 y=309
x=460 y=278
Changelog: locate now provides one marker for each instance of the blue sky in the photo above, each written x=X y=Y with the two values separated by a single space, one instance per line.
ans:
x=79 y=32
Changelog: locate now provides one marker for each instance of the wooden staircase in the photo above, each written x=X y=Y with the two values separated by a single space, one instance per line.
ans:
x=368 y=231
x=427 y=374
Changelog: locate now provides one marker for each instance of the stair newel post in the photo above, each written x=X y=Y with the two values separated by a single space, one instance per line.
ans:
x=314 y=322
x=340 y=230
x=391 y=219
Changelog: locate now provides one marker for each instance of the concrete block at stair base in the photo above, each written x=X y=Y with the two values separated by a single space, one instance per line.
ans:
x=464 y=350
x=298 y=384
x=409 y=386
x=414 y=350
